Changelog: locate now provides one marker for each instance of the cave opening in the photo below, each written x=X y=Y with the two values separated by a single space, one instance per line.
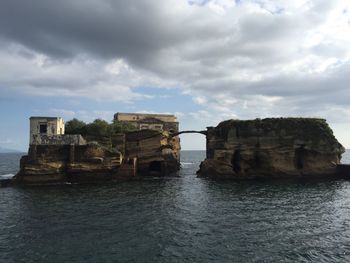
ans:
x=155 y=166
x=236 y=161
x=299 y=157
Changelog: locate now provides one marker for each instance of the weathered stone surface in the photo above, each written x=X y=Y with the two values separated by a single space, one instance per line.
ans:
x=157 y=153
x=272 y=147
x=67 y=163
x=147 y=152
x=63 y=139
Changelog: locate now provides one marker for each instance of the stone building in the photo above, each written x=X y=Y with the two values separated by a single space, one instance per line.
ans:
x=159 y=122
x=50 y=131
x=45 y=126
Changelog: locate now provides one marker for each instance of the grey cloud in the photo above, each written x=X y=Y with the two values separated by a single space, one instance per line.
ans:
x=65 y=28
x=243 y=54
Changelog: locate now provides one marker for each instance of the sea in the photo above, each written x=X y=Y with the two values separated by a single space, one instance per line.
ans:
x=176 y=219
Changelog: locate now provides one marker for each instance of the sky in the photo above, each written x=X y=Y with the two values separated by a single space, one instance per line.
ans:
x=205 y=61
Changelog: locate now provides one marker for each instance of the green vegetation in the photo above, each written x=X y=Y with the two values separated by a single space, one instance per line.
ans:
x=99 y=131
x=75 y=126
x=97 y=128
x=313 y=130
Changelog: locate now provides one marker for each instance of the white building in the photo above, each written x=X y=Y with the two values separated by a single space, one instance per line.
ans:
x=45 y=126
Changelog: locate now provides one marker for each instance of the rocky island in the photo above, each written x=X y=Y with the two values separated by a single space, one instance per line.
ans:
x=137 y=145
x=133 y=145
x=271 y=148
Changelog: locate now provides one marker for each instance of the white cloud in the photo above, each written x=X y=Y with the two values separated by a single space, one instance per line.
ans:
x=237 y=59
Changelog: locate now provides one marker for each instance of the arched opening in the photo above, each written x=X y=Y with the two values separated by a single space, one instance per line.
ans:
x=236 y=161
x=155 y=166
x=299 y=157
x=193 y=151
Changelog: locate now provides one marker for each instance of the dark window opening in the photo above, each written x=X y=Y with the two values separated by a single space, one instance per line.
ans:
x=43 y=128
x=155 y=166
x=236 y=161
x=299 y=157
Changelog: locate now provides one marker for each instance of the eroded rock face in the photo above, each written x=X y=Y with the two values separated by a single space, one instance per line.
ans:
x=272 y=147
x=145 y=153
x=67 y=163
x=157 y=153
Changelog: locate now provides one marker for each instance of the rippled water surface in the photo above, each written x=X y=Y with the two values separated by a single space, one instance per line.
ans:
x=184 y=219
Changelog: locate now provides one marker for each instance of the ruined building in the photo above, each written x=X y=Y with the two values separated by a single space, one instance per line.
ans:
x=55 y=157
x=45 y=126
x=50 y=131
x=158 y=122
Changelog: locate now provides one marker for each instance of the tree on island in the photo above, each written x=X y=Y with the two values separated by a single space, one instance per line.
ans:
x=98 y=127
x=75 y=126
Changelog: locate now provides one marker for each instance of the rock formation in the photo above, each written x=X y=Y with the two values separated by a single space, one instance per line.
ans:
x=131 y=155
x=68 y=163
x=157 y=153
x=272 y=147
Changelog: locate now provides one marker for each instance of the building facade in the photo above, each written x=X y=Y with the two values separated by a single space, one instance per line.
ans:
x=45 y=126
x=142 y=121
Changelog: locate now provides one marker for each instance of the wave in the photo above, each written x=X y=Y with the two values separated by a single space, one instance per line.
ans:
x=184 y=163
x=6 y=176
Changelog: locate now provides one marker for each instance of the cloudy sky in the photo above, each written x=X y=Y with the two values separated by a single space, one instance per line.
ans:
x=205 y=61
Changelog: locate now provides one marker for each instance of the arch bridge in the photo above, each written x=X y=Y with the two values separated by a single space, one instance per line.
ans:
x=191 y=131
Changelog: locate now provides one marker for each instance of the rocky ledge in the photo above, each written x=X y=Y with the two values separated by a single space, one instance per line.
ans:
x=128 y=157
x=270 y=148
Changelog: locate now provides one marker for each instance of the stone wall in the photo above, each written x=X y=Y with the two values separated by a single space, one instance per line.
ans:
x=68 y=163
x=272 y=147
x=66 y=139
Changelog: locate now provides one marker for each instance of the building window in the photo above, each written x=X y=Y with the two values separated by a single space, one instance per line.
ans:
x=143 y=127
x=43 y=128
x=61 y=131
x=158 y=127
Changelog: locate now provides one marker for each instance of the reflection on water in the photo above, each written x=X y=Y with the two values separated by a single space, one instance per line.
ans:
x=182 y=219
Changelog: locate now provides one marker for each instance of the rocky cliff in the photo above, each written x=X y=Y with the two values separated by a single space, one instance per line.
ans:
x=68 y=163
x=132 y=154
x=157 y=153
x=272 y=147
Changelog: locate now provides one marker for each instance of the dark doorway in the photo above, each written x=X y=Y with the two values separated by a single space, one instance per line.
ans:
x=155 y=166
x=236 y=161
x=299 y=157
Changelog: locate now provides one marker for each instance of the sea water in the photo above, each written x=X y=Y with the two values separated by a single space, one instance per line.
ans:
x=178 y=219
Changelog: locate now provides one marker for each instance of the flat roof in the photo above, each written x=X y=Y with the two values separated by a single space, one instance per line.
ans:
x=43 y=117
x=147 y=114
